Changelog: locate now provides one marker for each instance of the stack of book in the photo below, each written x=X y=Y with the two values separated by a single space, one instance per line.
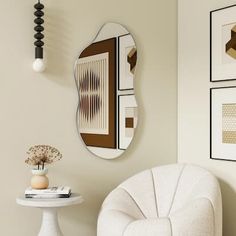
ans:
x=52 y=192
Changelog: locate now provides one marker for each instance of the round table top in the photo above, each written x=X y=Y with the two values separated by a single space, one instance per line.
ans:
x=53 y=202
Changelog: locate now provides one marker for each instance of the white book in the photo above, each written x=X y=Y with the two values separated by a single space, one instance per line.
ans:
x=52 y=192
x=47 y=196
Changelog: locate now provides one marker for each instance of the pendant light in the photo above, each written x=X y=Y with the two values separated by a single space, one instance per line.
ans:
x=39 y=64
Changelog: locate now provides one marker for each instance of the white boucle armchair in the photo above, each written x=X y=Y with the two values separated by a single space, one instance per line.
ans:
x=171 y=200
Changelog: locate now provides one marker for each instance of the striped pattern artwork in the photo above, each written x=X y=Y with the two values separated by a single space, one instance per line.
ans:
x=92 y=75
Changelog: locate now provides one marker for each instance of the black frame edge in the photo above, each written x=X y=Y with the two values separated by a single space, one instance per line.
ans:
x=211 y=89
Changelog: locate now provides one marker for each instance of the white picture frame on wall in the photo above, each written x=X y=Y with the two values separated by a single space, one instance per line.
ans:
x=223 y=44
x=223 y=123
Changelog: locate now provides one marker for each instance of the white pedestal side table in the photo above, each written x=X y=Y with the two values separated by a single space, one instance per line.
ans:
x=50 y=226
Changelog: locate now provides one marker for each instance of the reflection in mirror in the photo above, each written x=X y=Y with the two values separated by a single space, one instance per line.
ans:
x=107 y=110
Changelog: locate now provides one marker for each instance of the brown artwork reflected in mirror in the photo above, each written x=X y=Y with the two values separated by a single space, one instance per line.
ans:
x=230 y=47
x=107 y=110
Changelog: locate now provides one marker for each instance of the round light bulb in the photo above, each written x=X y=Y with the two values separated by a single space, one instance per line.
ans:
x=39 y=65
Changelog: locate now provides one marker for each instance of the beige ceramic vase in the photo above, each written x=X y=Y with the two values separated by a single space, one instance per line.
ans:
x=39 y=179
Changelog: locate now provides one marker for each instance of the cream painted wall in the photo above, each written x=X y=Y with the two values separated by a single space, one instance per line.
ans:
x=193 y=100
x=40 y=108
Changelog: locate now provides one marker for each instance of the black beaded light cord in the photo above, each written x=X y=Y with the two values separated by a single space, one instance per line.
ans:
x=39 y=64
x=39 y=29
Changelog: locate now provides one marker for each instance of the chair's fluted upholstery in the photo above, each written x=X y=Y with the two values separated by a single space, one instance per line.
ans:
x=172 y=200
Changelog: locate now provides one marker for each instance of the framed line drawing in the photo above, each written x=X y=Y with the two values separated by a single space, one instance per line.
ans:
x=127 y=54
x=223 y=123
x=128 y=118
x=223 y=44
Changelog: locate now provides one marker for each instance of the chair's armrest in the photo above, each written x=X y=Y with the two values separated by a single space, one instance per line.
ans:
x=113 y=223
x=195 y=219
x=120 y=200
x=117 y=212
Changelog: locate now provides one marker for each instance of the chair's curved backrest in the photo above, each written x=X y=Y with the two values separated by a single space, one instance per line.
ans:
x=162 y=191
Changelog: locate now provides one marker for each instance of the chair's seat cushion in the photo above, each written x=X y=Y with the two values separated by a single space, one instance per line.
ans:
x=150 y=227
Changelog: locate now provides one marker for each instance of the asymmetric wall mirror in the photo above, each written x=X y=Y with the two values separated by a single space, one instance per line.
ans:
x=107 y=109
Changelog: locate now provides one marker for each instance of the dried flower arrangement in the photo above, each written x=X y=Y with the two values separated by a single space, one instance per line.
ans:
x=41 y=155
